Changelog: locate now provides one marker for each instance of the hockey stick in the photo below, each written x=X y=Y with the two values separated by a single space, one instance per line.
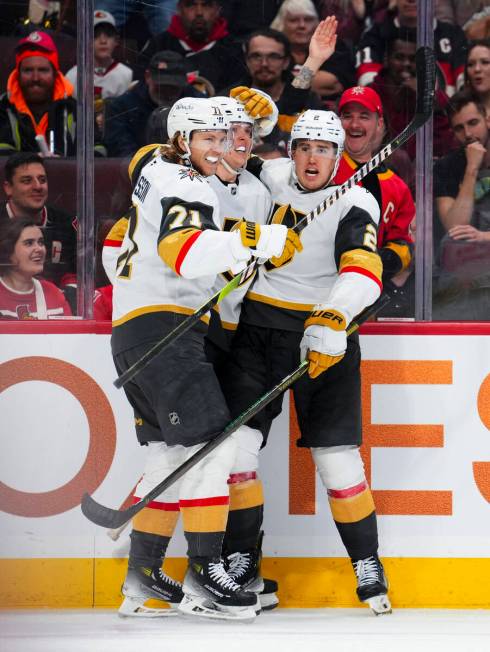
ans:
x=115 y=519
x=425 y=66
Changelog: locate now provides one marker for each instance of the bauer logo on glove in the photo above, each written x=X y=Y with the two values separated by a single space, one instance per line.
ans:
x=325 y=340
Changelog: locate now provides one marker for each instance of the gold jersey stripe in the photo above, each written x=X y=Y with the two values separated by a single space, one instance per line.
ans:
x=351 y=510
x=118 y=230
x=142 y=156
x=209 y=518
x=169 y=248
x=146 y=310
x=244 y=495
x=402 y=251
x=156 y=521
x=229 y=326
x=367 y=260
x=300 y=307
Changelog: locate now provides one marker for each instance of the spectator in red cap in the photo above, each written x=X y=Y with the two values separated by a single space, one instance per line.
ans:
x=38 y=102
x=361 y=114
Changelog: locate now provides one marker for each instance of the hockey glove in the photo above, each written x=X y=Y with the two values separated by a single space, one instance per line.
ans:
x=325 y=339
x=264 y=241
x=293 y=244
x=259 y=106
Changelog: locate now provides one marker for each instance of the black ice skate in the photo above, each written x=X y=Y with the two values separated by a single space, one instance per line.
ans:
x=244 y=568
x=143 y=583
x=372 y=586
x=209 y=592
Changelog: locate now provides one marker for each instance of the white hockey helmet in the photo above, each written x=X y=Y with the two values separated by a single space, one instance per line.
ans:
x=195 y=113
x=233 y=110
x=319 y=125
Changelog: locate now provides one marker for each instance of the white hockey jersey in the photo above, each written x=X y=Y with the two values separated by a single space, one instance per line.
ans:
x=341 y=239
x=175 y=217
x=112 y=82
x=249 y=200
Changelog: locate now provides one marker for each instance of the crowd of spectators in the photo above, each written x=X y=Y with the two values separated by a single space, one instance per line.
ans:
x=147 y=55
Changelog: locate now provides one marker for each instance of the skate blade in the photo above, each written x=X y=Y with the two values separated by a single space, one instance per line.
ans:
x=134 y=608
x=201 y=607
x=380 y=605
x=268 y=601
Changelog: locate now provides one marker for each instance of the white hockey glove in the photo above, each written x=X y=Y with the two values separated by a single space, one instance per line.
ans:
x=325 y=339
x=259 y=106
x=264 y=240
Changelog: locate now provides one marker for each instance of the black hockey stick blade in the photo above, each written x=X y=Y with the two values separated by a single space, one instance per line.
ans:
x=426 y=76
x=115 y=518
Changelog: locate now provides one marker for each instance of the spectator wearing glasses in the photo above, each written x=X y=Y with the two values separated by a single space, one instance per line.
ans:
x=268 y=57
x=200 y=34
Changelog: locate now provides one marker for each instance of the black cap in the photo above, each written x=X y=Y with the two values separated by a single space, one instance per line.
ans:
x=167 y=67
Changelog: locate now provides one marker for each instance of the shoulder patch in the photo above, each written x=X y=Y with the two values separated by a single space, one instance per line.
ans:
x=190 y=173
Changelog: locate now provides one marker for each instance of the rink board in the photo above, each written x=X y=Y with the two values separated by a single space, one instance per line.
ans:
x=426 y=412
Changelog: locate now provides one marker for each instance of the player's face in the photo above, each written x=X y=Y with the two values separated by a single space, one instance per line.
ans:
x=29 y=188
x=242 y=135
x=314 y=161
x=478 y=69
x=470 y=126
x=363 y=130
x=29 y=252
x=207 y=150
x=299 y=27
x=36 y=80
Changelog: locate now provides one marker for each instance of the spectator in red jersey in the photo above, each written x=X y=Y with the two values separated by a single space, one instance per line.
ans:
x=396 y=85
x=449 y=46
x=361 y=114
x=22 y=295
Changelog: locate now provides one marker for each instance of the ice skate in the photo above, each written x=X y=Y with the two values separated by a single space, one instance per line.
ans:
x=209 y=592
x=372 y=586
x=244 y=568
x=143 y=583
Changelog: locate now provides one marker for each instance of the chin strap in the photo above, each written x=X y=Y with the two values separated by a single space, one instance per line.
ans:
x=228 y=167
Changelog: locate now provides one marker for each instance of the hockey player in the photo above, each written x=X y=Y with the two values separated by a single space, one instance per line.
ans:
x=309 y=301
x=171 y=253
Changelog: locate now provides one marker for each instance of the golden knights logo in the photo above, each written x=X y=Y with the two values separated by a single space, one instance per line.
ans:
x=289 y=216
x=189 y=173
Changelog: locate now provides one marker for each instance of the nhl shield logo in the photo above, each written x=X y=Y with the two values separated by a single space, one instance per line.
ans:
x=174 y=418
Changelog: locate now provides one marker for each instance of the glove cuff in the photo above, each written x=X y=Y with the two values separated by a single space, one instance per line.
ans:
x=327 y=317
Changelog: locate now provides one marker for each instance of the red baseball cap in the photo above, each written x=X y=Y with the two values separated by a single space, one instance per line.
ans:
x=37 y=44
x=362 y=95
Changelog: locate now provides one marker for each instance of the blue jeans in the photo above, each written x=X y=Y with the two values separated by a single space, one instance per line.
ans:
x=157 y=12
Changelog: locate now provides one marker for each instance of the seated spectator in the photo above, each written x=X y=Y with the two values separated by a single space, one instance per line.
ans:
x=22 y=255
x=38 y=101
x=449 y=46
x=361 y=113
x=126 y=116
x=478 y=71
x=157 y=13
x=268 y=57
x=462 y=194
x=111 y=78
x=26 y=188
x=396 y=85
x=298 y=19
x=200 y=34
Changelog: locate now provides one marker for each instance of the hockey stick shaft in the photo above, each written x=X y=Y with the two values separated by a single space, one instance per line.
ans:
x=425 y=65
x=115 y=519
